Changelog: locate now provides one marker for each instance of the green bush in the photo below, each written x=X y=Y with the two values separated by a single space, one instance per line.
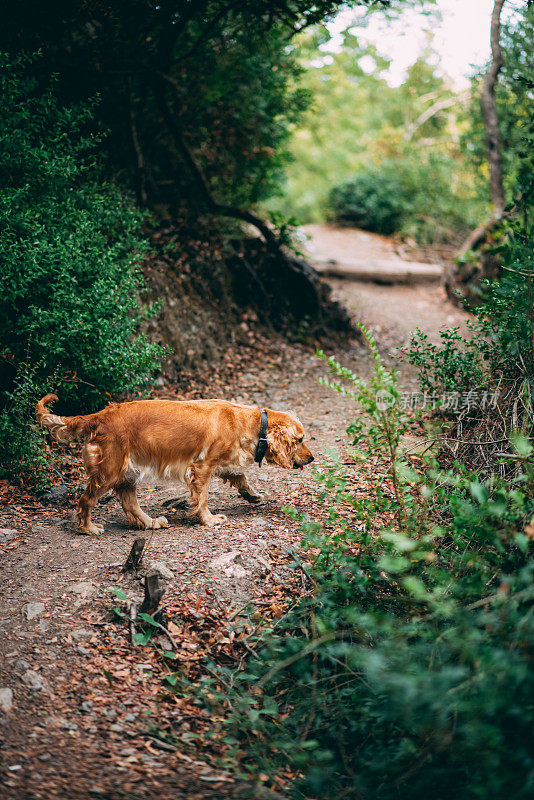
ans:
x=372 y=200
x=501 y=335
x=70 y=251
x=494 y=363
x=410 y=194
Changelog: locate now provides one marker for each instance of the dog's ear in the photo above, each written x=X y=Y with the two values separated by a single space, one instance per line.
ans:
x=281 y=445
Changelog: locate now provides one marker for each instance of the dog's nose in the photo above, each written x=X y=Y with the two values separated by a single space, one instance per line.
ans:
x=311 y=458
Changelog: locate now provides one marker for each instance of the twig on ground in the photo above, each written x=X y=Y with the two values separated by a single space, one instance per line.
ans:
x=132 y=613
x=167 y=633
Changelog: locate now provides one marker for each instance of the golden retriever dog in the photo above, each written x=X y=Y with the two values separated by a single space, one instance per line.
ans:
x=167 y=440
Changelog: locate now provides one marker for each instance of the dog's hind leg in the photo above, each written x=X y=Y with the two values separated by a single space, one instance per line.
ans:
x=126 y=491
x=198 y=477
x=101 y=470
x=239 y=480
x=86 y=503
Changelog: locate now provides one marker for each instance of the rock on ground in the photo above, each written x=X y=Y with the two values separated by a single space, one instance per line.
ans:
x=32 y=610
x=6 y=699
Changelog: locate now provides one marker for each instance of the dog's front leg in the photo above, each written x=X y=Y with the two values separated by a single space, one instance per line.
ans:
x=239 y=480
x=198 y=477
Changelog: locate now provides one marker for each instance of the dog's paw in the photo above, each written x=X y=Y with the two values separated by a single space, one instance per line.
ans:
x=161 y=522
x=253 y=498
x=92 y=530
x=214 y=519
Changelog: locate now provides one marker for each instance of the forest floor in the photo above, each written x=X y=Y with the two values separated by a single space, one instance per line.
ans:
x=83 y=712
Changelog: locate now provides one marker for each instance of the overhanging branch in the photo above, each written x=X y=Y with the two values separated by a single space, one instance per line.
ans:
x=198 y=176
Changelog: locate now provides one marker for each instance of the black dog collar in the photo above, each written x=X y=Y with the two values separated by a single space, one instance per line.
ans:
x=261 y=449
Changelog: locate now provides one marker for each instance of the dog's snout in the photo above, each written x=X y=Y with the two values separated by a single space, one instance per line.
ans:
x=303 y=459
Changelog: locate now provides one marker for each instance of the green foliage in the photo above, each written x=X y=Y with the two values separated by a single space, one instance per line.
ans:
x=211 y=82
x=404 y=194
x=22 y=444
x=372 y=200
x=70 y=252
x=406 y=671
x=243 y=102
x=498 y=354
x=513 y=97
x=406 y=137
x=440 y=198
x=499 y=349
x=376 y=433
x=491 y=371
x=456 y=365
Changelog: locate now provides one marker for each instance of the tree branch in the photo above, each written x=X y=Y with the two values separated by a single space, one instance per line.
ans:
x=139 y=157
x=434 y=109
x=198 y=176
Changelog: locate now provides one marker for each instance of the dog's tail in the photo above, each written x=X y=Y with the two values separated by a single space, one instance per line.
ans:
x=63 y=429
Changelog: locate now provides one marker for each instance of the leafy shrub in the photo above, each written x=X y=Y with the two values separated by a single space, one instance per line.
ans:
x=439 y=202
x=456 y=365
x=70 y=252
x=406 y=671
x=411 y=194
x=372 y=200
x=496 y=360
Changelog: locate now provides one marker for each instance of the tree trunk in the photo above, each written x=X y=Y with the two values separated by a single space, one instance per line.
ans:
x=489 y=110
x=462 y=279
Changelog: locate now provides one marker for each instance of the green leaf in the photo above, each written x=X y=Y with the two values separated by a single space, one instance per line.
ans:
x=108 y=676
x=148 y=618
x=119 y=593
x=403 y=543
x=521 y=445
x=479 y=492
x=393 y=564
x=142 y=638
x=416 y=587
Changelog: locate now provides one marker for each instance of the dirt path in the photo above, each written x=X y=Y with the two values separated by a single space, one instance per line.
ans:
x=362 y=256
x=329 y=241
x=81 y=711
x=398 y=310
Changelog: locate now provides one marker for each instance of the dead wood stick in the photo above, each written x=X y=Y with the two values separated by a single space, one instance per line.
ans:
x=167 y=633
x=153 y=593
x=133 y=617
x=235 y=614
x=133 y=562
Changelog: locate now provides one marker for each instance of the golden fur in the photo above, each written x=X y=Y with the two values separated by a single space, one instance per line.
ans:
x=189 y=440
